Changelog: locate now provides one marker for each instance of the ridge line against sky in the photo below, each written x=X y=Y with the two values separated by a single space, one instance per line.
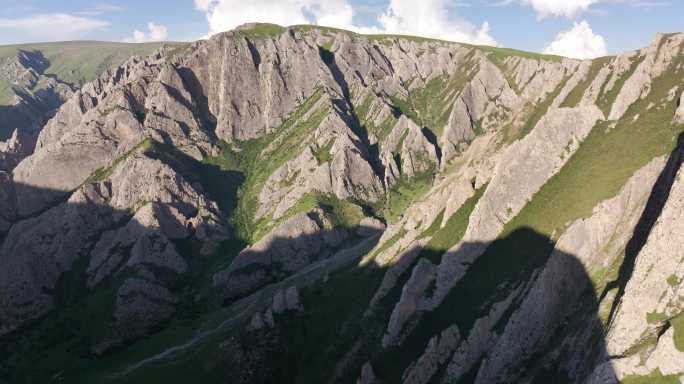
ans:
x=573 y=28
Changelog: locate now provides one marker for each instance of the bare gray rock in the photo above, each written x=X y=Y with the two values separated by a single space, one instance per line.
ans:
x=141 y=242
x=279 y=306
x=459 y=130
x=367 y=375
x=422 y=276
x=657 y=58
x=655 y=286
x=415 y=152
x=348 y=173
x=292 y=298
x=679 y=114
x=438 y=352
x=140 y=305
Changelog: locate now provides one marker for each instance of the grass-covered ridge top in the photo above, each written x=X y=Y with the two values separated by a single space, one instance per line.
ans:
x=77 y=62
x=264 y=30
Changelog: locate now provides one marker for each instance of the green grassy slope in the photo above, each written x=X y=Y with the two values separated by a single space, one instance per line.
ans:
x=77 y=62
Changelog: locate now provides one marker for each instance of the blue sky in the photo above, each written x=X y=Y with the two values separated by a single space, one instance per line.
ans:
x=578 y=28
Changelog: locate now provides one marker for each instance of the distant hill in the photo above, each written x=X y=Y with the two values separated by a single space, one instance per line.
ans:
x=35 y=79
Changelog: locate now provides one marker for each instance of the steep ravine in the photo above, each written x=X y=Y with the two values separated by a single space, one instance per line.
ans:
x=310 y=205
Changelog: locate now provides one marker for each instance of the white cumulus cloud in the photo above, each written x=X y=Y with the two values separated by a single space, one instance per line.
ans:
x=566 y=8
x=431 y=18
x=223 y=15
x=49 y=27
x=579 y=42
x=156 y=32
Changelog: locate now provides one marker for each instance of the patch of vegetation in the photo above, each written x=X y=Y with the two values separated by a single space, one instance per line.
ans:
x=672 y=280
x=262 y=30
x=434 y=226
x=500 y=62
x=431 y=105
x=367 y=115
x=677 y=324
x=259 y=158
x=62 y=339
x=176 y=50
x=575 y=96
x=433 y=102
x=316 y=340
x=387 y=39
x=302 y=348
x=385 y=128
x=362 y=110
x=404 y=192
x=655 y=317
x=502 y=53
x=606 y=98
x=6 y=92
x=323 y=154
x=655 y=377
x=327 y=46
x=104 y=173
x=605 y=160
x=404 y=107
x=326 y=30
x=602 y=276
x=341 y=213
x=204 y=364
x=388 y=243
x=453 y=230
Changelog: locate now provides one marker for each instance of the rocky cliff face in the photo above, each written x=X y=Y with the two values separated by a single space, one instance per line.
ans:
x=36 y=79
x=310 y=205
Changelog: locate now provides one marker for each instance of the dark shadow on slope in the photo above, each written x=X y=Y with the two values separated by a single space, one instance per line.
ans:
x=58 y=248
x=29 y=115
x=564 y=305
x=220 y=185
x=654 y=207
x=34 y=109
x=59 y=245
x=194 y=86
x=254 y=52
x=432 y=139
x=276 y=258
x=332 y=337
x=329 y=340
x=34 y=60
